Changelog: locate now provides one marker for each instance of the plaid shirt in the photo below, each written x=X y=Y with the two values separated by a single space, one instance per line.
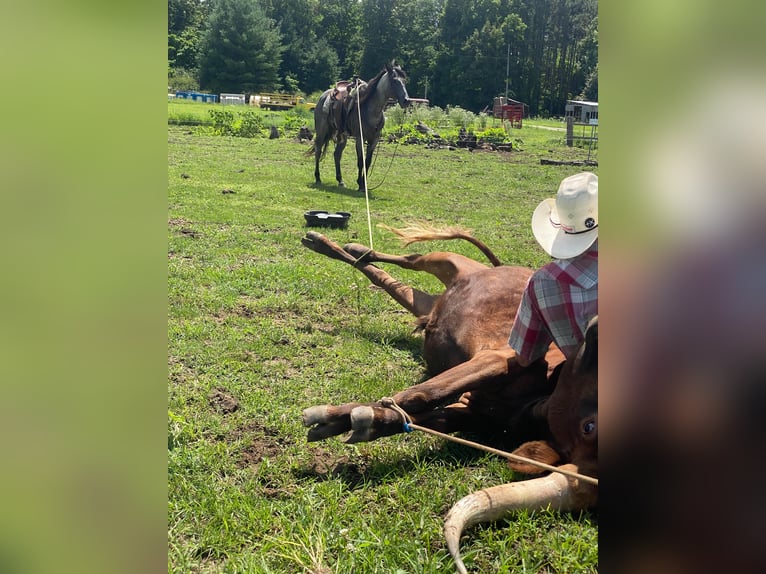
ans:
x=559 y=300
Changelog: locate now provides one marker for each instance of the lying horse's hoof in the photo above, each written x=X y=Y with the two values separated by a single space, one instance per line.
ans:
x=315 y=415
x=326 y=421
x=369 y=423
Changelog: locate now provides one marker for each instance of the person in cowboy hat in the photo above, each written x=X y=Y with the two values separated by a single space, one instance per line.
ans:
x=562 y=296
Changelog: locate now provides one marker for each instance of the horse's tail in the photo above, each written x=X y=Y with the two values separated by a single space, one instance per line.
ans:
x=322 y=127
x=312 y=150
x=421 y=231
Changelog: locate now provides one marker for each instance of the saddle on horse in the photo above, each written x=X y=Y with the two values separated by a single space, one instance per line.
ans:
x=341 y=100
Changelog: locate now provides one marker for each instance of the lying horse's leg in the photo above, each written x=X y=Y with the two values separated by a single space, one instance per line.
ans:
x=482 y=368
x=501 y=389
x=372 y=421
x=445 y=266
x=340 y=145
x=415 y=301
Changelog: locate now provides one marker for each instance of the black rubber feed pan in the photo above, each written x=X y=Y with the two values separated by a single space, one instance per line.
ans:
x=318 y=218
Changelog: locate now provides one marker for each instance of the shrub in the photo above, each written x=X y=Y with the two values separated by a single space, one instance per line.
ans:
x=493 y=136
x=395 y=115
x=296 y=118
x=223 y=121
x=250 y=125
x=460 y=118
x=226 y=123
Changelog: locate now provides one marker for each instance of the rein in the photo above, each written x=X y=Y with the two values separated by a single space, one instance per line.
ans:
x=388 y=169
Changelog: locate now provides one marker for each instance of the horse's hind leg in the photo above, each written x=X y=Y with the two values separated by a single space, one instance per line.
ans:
x=445 y=266
x=320 y=142
x=340 y=145
x=415 y=301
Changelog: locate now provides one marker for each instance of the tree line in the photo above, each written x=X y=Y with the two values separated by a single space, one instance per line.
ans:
x=456 y=52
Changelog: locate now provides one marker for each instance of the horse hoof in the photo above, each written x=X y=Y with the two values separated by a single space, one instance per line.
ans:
x=315 y=415
x=341 y=184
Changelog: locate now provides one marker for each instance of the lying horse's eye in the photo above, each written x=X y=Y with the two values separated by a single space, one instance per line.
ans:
x=589 y=427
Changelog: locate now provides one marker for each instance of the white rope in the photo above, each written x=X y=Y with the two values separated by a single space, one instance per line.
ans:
x=410 y=426
x=364 y=164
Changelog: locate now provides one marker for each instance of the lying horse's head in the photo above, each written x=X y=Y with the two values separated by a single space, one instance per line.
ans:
x=572 y=415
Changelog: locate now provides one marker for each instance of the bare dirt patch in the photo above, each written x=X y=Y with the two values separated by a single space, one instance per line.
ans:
x=325 y=466
x=178 y=222
x=222 y=401
x=179 y=372
x=266 y=443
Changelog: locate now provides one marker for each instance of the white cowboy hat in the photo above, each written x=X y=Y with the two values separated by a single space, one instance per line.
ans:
x=567 y=226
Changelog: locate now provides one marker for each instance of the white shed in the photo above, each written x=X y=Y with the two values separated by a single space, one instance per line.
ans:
x=238 y=99
x=583 y=112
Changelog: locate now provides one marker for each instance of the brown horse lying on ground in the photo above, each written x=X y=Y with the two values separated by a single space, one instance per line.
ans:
x=552 y=404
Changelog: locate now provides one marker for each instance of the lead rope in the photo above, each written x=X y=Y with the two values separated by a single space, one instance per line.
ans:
x=390 y=163
x=409 y=426
x=364 y=164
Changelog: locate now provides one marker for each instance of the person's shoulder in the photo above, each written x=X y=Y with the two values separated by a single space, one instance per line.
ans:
x=548 y=272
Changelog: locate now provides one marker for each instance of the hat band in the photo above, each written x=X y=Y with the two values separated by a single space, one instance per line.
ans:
x=569 y=230
x=583 y=231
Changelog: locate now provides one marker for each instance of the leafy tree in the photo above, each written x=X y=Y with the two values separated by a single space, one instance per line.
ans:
x=379 y=36
x=403 y=30
x=417 y=22
x=341 y=25
x=590 y=90
x=319 y=67
x=460 y=49
x=241 y=51
x=477 y=38
x=186 y=19
x=308 y=62
x=588 y=62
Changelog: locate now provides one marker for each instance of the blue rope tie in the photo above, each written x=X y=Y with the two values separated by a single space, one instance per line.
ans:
x=390 y=403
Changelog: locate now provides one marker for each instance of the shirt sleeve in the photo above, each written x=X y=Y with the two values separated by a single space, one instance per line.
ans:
x=529 y=337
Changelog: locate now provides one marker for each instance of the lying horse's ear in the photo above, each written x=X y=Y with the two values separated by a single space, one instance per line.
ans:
x=537 y=450
x=587 y=357
x=389 y=67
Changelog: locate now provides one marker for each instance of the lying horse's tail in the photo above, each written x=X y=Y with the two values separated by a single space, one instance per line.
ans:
x=423 y=232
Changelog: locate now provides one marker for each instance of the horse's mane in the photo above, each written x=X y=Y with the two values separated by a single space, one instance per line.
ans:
x=367 y=89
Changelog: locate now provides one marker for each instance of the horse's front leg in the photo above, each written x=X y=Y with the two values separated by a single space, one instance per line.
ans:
x=496 y=397
x=340 y=145
x=367 y=162
x=362 y=165
x=371 y=421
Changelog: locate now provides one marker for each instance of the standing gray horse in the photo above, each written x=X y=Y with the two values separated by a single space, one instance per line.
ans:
x=336 y=117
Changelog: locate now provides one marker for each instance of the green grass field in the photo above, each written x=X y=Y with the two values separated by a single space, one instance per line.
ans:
x=256 y=317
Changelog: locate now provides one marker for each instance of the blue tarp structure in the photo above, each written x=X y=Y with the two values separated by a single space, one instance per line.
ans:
x=197 y=97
